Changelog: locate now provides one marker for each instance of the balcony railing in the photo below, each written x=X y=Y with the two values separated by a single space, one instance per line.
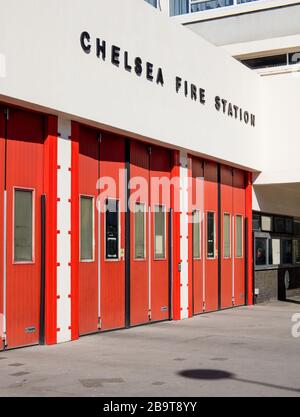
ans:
x=178 y=7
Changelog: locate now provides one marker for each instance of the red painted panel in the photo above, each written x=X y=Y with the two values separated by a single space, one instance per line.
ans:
x=88 y=271
x=112 y=160
x=239 y=197
x=196 y=265
x=139 y=268
x=226 y=263
x=25 y=154
x=50 y=176
x=160 y=168
x=211 y=265
x=2 y=156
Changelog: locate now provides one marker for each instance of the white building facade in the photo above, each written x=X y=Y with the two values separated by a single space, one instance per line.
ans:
x=129 y=147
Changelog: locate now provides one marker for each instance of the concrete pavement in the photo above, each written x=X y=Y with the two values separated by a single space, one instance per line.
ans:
x=249 y=351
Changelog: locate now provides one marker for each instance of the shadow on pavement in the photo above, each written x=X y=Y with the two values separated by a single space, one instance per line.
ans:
x=216 y=374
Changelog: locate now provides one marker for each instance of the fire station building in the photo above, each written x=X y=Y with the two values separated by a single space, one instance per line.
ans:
x=136 y=160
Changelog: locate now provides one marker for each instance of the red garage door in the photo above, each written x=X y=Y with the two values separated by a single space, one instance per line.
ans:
x=149 y=234
x=160 y=167
x=211 y=235
x=196 y=231
x=227 y=255
x=89 y=165
x=239 y=213
x=24 y=181
x=139 y=235
x=101 y=236
x=112 y=290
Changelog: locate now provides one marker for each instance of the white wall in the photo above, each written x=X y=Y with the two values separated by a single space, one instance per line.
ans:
x=277 y=188
x=281 y=150
x=46 y=67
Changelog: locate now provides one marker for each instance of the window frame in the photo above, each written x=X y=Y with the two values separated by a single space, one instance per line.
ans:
x=215 y=234
x=225 y=213
x=119 y=231
x=33 y=254
x=140 y=203
x=165 y=234
x=235 y=237
x=91 y=197
x=197 y=258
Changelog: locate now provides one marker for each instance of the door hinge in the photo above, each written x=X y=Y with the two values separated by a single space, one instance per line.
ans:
x=100 y=137
x=149 y=150
x=204 y=306
x=149 y=315
x=233 y=301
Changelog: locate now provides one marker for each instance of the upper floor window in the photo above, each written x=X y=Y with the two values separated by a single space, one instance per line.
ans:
x=178 y=7
x=272 y=61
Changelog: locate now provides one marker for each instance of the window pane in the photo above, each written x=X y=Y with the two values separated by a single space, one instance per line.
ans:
x=139 y=231
x=279 y=224
x=112 y=229
x=274 y=252
x=266 y=223
x=296 y=251
x=226 y=233
x=23 y=226
x=287 y=251
x=239 y=237
x=289 y=226
x=294 y=58
x=256 y=222
x=196 y=235
x=297 y=227
x=210 y=235
x=266 y=61
x=210 y=4
x=260 y=251
x=178 y=7
x=159 y=241
x=86 y=229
